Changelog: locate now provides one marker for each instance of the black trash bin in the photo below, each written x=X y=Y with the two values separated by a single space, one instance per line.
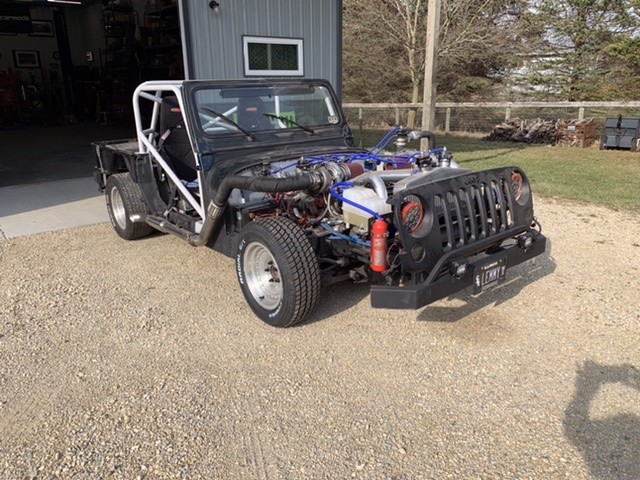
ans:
x=621 y=133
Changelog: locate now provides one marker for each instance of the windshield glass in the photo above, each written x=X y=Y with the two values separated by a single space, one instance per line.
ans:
x=255 y=109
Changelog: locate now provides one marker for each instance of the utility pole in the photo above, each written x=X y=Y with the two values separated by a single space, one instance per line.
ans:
x=430 y=69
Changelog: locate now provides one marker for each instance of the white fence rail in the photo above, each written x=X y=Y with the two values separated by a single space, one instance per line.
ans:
x=483 y=116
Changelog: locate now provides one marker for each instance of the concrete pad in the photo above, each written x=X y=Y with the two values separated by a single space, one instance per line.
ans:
x=50 y=206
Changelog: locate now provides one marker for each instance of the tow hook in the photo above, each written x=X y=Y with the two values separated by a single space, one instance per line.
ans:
x=458 y=269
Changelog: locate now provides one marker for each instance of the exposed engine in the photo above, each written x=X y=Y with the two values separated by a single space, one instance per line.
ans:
x=346 y=207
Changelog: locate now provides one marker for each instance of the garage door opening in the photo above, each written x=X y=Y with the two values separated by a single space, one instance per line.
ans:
x=68 y=70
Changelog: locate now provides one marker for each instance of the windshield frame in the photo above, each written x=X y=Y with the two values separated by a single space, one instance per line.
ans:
x=272 y=135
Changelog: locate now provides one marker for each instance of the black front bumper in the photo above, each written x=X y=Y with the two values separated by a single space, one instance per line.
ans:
x=417 y=296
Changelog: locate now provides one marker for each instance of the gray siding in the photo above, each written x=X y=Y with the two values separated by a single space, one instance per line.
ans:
x=214 y=41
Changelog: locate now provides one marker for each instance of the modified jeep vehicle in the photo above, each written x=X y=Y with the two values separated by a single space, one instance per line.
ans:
x=266 y=172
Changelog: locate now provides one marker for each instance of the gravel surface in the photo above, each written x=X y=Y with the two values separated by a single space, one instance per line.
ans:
x=142 y=360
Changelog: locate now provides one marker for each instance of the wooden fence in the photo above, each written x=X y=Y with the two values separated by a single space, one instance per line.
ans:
x=447 y=112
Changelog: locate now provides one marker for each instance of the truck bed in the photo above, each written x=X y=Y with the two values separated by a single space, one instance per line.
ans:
x=113 y=156
x=125 y=146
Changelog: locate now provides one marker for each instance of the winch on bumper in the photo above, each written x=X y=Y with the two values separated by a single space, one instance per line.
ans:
x=459 y=229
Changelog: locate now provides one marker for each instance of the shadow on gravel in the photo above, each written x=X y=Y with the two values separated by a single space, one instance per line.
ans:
x=340 y=297
x=517 y=278
x=343 y=296
x=611 y=445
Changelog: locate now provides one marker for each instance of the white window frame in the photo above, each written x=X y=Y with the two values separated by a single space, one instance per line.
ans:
x=248 y=72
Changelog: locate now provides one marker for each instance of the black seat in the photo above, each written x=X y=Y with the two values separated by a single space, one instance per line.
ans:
x=251 y=112
x=176 y=146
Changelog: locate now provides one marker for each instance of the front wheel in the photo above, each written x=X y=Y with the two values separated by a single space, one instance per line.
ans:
x=278 y=271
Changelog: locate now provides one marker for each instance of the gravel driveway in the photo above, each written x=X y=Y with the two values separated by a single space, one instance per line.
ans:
x=142 y=360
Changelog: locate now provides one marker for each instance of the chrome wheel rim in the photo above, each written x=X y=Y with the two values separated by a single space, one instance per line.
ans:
x=262 y=275
x=117 y=208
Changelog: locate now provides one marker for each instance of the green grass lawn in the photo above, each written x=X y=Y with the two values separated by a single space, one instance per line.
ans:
x=610 y=178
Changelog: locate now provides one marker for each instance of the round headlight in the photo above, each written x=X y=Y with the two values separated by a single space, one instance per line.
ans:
x=412 y=214
x=415 y=216
x=516 y=185
x=519 y=188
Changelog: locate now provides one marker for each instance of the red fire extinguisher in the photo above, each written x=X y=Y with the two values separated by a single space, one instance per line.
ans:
x=379 y=233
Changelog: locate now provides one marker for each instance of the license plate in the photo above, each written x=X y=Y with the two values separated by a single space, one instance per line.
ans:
x=489 y=275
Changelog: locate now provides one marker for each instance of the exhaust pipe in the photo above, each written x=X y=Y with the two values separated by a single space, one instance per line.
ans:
x=214 y=212
x=254 y=184
x=318 y=180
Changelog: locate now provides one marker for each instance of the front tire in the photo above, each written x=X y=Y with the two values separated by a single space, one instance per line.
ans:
x=278 y=271
x=124 y=199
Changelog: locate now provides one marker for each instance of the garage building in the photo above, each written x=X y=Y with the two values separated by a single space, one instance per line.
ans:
x=68 y=67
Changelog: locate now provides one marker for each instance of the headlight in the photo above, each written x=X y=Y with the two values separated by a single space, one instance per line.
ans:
x=412 y=213
x=516 y=185
x=416 y=216
x=519 y=188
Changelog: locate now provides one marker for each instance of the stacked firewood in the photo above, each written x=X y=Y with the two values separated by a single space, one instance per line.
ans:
x=576 y=133
x=526 y=131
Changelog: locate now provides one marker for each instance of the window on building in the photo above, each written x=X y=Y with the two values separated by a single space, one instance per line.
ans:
x=269 y=56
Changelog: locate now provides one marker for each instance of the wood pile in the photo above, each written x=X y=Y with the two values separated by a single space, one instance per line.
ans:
x=576 y=133
x=526 y=131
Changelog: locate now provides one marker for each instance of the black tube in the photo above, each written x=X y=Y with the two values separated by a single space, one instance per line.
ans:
x=428 y=135
x=432 y=140
x=165 y=226
x=254 y=184
x=263 y=184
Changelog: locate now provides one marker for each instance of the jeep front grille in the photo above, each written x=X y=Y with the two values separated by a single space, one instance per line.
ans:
x=473 y=212
x=462 y=213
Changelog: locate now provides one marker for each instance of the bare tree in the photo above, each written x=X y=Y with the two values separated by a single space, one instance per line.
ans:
x=384 y=45
x=393 y=31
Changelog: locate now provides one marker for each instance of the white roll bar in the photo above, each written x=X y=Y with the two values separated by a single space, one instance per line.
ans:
x=152 y=90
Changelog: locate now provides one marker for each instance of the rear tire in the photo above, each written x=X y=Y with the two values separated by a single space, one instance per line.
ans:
x=124 y=199
x=278 y=271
